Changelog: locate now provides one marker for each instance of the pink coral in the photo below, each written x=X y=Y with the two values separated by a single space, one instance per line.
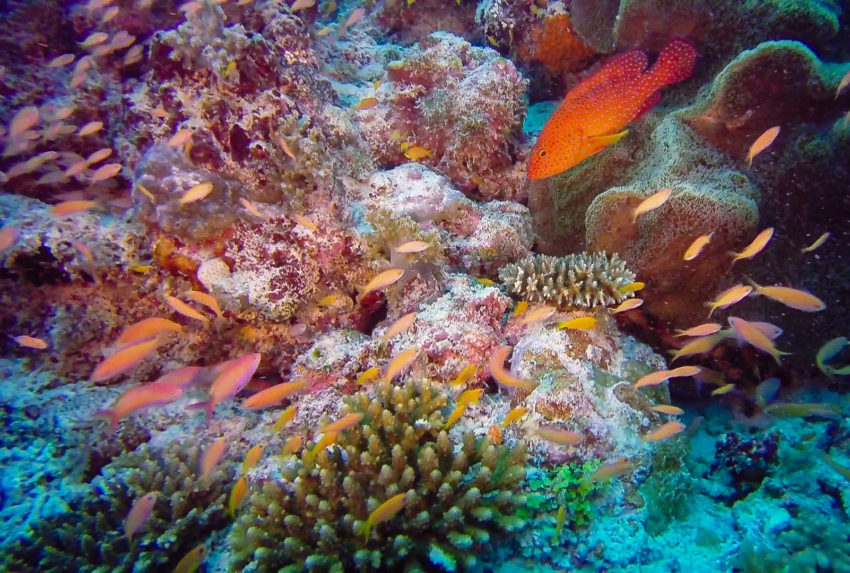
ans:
x=462 y=104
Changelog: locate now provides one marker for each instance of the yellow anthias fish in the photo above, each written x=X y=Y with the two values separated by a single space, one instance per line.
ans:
x=196 y=193
x=729 y=297
x=384 y=512
x=697 y=246
x=791 y=297
x=631 y=287
x=761 y=143
x=252 y=457
x=287 y=416
x=417 y=153
x=580 y=323
x=456 y=414
x=818 y=242
x=368 y=375
x=237 y=495
x=651 y=203
x=754 y=248
x=514 y=415
x=400 y=363
x=465 y=375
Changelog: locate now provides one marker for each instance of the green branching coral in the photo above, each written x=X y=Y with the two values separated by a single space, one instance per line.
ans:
x=90 y=537
x=581 y=280
x=458 y=495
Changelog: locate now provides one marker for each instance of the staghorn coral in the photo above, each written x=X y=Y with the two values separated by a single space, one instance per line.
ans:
x=457 y=499
x=583 y=280
x=90 y=536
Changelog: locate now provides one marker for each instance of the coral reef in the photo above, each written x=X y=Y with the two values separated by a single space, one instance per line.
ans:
x=745 y=462
x=186 y=509
x=476 y=238
x=597 y=199
x=457 y=501
x=462 y=106
x=583 y=280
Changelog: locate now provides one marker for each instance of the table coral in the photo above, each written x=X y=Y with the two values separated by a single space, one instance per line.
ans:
x=457 y=500
x=186 y=509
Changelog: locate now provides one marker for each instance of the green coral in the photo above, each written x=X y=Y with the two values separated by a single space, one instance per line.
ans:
x=459 y=495
x=568 y=486
x=90 y=536
x=582 y=280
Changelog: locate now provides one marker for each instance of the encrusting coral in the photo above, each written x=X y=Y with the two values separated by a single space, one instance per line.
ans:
x=458 y=496
x=584 y=280
x=90 y=537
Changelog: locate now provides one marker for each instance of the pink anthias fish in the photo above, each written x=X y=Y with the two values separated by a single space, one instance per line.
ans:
x=140 y=398
x=139 y=514
x=232 y=377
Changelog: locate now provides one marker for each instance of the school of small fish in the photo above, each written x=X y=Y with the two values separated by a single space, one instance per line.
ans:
x=594 y=115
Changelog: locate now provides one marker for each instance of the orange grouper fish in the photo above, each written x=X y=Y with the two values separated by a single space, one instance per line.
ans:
x=596 y=111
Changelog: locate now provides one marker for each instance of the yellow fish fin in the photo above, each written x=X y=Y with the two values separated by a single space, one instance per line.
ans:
x=603 y=141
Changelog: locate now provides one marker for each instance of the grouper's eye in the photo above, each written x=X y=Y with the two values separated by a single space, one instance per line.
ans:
x=542 y=153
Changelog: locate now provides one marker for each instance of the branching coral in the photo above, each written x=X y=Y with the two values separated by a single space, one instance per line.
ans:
x=91 y=536
x=315 y=517
x=584 y=280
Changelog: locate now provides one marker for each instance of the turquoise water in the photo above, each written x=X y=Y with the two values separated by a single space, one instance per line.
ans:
x=424 y=285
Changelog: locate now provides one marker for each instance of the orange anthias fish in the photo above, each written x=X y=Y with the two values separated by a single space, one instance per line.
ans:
x=595 y=112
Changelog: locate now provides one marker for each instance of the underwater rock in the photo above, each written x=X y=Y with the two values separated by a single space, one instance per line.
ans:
x=475 y=237
x=273 y=268
x=165 y=173
x=408 y=21
x=585 y=386
x=795 y=88
x=455 y=107
x=252 y=93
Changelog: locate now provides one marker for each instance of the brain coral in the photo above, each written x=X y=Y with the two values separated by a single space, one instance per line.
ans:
x=584 y=280
x=91 y=536
x=459 y=496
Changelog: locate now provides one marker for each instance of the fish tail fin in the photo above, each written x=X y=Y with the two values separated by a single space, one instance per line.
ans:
x=110 y=416
x=675 y=62
x=368 y=531
x=753 y=283
x=207 y=407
